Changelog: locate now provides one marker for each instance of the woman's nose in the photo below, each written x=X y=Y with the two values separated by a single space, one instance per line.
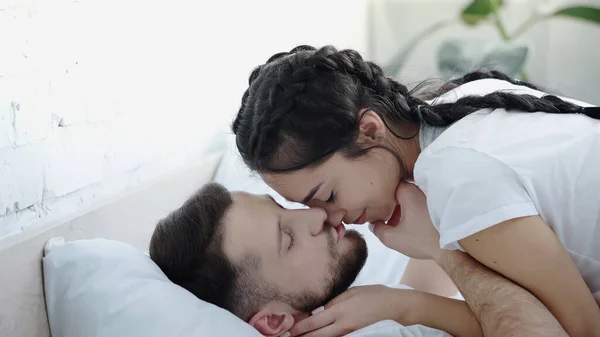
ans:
x=334 y=217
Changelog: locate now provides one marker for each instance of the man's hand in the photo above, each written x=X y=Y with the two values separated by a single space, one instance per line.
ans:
x=501 y=307
x=526 y=251
x=358 y=307
x=415 y=236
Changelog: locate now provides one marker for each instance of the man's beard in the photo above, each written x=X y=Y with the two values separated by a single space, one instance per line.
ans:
x=344 y=270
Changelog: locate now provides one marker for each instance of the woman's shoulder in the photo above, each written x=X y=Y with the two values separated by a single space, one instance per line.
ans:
x=517 y=137
x=501 y=130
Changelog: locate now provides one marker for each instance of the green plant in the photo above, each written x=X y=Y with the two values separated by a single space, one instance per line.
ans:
x=458 y=56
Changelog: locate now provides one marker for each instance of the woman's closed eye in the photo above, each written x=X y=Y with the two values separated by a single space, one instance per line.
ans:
x=331 y=199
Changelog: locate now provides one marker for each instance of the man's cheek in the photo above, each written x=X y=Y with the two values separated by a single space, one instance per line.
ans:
x=306 y=263
x=309 y=278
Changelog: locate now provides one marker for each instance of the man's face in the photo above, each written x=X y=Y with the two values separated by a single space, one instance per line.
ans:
x=306 y=260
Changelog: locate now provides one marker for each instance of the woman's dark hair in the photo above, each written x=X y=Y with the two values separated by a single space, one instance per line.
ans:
x=302 y=106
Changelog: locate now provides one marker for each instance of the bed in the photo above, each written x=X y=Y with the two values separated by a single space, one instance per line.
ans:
x=22 y=306
x=131 y=220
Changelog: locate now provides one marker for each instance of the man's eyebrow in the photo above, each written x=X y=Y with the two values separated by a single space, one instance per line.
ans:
x=279 y=235
x=312 y=193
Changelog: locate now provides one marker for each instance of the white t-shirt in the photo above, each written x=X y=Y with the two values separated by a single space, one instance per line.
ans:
x=491 y=167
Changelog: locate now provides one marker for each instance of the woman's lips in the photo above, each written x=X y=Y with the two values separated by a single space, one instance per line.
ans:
x=394 y=220
x=361 y=219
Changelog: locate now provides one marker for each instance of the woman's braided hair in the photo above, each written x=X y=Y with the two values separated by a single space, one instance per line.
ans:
x=302 y=106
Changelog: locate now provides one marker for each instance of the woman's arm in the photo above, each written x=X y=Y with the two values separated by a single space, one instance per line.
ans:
x=426 y=275
x=362 y=306
x=526 y=251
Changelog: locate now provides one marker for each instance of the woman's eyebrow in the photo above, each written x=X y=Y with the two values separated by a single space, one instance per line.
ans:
x=312 y=193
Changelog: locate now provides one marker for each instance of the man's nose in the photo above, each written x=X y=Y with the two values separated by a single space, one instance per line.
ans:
x=318 y=220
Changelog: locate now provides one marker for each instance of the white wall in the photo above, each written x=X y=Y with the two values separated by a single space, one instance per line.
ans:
x=97 y=97
x=563 y=57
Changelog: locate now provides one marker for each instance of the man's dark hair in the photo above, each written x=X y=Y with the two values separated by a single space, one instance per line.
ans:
x=188 y=246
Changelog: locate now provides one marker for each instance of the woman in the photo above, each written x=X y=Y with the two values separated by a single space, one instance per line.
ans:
x=511 y=177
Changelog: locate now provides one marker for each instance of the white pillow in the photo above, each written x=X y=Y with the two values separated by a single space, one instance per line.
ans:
x=102 y=288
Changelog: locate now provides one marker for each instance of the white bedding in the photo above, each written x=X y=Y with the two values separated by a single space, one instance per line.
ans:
x=104 y=288
x=393 y=329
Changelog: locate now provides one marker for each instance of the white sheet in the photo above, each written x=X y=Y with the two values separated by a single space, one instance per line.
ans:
x=393 y=329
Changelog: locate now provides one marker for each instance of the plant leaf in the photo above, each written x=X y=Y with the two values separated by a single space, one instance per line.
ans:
x=479 y=10
x=580 y=12
x=456 y=57
x=507 y=58
x=393 y=67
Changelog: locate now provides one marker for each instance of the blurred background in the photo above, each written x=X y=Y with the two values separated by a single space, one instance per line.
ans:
x=98 y=97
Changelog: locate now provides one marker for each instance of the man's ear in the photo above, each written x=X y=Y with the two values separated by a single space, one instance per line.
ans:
x=372 y=127
x=272 y=323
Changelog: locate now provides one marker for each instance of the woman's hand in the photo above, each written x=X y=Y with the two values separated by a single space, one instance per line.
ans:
x=356 y=308
x=415 y=235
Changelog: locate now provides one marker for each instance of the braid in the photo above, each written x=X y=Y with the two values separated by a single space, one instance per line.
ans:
x=448 y=113
x=301 y=106
x=480 y=75
x=255 y=74
x=392 y=94
x=350 y=62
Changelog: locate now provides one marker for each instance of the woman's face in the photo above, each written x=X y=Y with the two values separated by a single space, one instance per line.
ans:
x=355 y=190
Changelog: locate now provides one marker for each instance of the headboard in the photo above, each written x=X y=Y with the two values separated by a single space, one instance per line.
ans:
x=130 y=219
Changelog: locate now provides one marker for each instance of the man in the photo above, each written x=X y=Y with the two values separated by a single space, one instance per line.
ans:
x=267 y=265
x=271 y=267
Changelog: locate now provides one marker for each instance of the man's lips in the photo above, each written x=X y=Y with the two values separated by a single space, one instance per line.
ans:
x=341 y=231
x=394 y=220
